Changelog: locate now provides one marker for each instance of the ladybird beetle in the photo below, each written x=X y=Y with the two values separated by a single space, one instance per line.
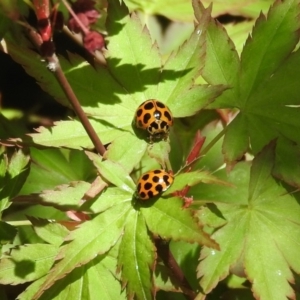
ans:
x=153 y=183
x=155 y=117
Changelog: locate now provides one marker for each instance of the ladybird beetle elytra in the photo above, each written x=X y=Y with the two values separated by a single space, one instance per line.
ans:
x=155 y=117
x=153 y=183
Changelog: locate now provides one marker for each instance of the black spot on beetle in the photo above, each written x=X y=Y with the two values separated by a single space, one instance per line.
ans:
x=145 y=177
x=159 y=188
x=154 y=125
x=155 y=178
x=139 y=112
x=164 y=126
x=149 y=106
x=166 y=179
x=167 y=115
x=160 y=104
x=142 y=195
x=150 y=194
x=146 y=118
x=139 y=187
x=157 y=171
x=148 y=186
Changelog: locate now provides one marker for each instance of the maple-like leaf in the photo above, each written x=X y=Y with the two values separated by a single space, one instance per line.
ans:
x=63 y=197
x=113 y=172
x=92 y=238
x=167 y=219
x=85 y=282
x=13 y=173
x=53 y=233
x=134 y=73
x=137 y=258
x=261 y=231
x=263 y=84
x=27 y=263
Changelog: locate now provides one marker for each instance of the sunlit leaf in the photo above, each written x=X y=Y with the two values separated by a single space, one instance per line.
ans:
x=167 y=219
x=92 y=238
x=262 y=224
x=27 y=263
x=85 y=282
x=64 y=197
x=113 y=172
x=127 y=150
x=136 y=258
x=53 y=233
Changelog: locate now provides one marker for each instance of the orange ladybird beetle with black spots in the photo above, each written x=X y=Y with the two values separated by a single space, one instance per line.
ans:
x=153 y=183
x=155 y=117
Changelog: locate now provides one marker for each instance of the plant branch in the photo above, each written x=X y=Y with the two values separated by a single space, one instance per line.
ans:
x=167 y=257
x=62 y=80
x=84 y=29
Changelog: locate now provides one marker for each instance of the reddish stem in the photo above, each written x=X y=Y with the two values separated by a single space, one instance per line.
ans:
x=62 y=80
x=167 y=257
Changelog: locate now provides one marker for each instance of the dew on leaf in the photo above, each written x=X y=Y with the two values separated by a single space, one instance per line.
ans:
x=212 y=252
x=278 y=272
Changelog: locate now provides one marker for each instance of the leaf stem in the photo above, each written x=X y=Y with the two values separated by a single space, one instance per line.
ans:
x=213 y=141
x=167 y=257
x=19 y=223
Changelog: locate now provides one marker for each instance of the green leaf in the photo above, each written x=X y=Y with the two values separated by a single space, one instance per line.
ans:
x=182 y=250
x=262 y=230
x=268 y=85
x=260 y=173
x=221 y=59
x=191 y=179
x=167 y=219
x=277 y=110
x=165 y=281
x=160 y=152
x=53 y=167
x=173 y=36
x=287 y=165
x=27 y=263
x=64 y=197
x=16 y=173
x=85 y=282
x=92 y=238
x=245 y=8
x=178 y=10
x=234 y=148
x=231 y=247
x=108 y=198
x=187 y=61
x=71 y=134
x=7 y=233
x=132 y=59
x=271 y=42
x=127 y=150
x=194 y=99
x=52 y=233
x=113 y=172
x=137 y=258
